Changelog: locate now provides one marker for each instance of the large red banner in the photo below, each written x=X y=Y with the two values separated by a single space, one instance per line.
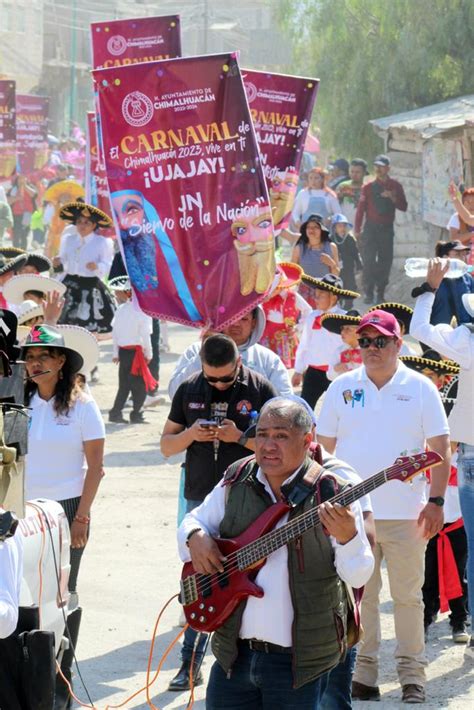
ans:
x=281 y=107
x=97 y=190
x=144 y=39
x=32 y=132
x=187 y=188
x=7 y=129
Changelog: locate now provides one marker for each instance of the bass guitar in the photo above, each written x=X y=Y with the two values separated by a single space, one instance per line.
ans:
x=209 y=599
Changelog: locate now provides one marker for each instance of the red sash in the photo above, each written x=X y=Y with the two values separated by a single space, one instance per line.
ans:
x=3 y=303
x=448 y=575
x=140 y=367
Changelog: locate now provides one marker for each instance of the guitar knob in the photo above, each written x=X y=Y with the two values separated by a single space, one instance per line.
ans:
x=211 y=609
x=202 y=619
x=201 y=606
x=192 y=616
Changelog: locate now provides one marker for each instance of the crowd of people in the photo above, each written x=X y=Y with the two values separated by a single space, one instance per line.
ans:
x=393 y=381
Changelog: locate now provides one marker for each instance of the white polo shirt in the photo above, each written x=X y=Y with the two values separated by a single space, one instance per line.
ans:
x=56 y=464
x=374 y=426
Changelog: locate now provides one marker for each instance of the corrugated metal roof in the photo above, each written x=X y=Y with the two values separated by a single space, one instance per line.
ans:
x=430 y=120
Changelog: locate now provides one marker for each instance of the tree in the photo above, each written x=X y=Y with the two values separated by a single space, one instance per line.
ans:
x=378 y=57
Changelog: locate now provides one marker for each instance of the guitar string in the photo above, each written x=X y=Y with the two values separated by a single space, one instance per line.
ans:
x=293 y=526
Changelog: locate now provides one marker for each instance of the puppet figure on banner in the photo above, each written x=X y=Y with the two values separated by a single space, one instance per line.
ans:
x=281 y=107
x=187 y=187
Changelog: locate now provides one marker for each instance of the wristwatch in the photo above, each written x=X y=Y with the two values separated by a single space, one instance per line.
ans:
x=437 y=500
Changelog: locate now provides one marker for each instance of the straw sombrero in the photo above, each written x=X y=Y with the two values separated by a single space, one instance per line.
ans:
x=335 y=321
x=71 y=211
x=16 y=287
x=120 y=283
x=48 y=336
x=401 y=312
x=27 y=311
x=70 y=188
x=83 y=342
x=330 y=283
x=16 y=262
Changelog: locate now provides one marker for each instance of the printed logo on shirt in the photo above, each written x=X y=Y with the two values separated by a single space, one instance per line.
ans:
x=197 y=405
x=403 y=397
x=62 y=421
x=244 y=407
x=354 y=397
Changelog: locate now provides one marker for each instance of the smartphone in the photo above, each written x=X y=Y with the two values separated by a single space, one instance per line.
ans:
x=208 y=424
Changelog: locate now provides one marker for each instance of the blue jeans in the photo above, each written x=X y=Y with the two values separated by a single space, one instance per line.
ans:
x=260 y=681
x=190 y=635
x=466 y=498
x=337 y=684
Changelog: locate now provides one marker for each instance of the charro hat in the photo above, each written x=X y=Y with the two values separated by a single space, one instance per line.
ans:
x=82 y=341
x=334 y=322
x=401 y=312
x=71 y=211
x=28 y=310
x=330 y=283
x=7 y=265
x=39 y=261
x=69 y=188
x=16 y=287
x=290 y=274
x=48 y=336
x=120 y=283
x=431 y=360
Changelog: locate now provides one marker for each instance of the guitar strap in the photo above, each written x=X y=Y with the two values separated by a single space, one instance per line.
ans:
x=305 y=485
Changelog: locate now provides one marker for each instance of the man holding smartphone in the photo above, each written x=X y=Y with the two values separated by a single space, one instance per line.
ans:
x=209 y=414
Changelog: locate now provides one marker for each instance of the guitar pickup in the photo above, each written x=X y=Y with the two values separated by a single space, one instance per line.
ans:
x=205 y=585
x=223 y=579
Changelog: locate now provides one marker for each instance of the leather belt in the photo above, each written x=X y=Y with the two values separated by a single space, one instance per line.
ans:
x=265 y=646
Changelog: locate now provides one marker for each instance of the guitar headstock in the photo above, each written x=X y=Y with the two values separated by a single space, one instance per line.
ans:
x=406 y=467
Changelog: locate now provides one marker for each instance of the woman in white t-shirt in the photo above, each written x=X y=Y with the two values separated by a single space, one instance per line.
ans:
x=66 y=435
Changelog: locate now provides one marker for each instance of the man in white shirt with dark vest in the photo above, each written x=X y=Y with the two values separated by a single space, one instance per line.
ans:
x=371 y=416
x=273 y=651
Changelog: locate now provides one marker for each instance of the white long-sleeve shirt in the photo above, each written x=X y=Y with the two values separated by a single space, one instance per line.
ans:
x=354 y=564
x=457 y=344
x=11 y=569
x=76 y=251
x=317 y=346
x=131 y=326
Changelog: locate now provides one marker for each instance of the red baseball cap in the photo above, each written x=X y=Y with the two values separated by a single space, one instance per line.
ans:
x=384 y=322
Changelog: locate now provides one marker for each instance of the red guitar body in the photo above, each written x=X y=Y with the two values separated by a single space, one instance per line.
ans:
x=217 y=595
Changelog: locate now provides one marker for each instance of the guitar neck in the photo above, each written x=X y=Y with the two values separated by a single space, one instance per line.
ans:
x=272 y=541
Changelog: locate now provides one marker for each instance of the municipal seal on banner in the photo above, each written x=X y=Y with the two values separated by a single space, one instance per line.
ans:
x=251 y=91
x=116 y=45
x=137 y=109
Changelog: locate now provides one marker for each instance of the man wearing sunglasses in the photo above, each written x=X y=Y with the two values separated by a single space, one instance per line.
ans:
x=371 y=416
x=209 y=414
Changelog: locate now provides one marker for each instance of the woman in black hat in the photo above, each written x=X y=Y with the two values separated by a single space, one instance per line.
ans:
x=65 y=442
x=85 y=257
x=315 y=253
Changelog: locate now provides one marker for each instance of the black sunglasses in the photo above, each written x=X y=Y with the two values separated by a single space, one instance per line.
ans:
x=226 y=379
x=380 y=342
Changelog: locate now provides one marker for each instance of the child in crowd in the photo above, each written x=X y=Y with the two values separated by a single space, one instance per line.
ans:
x=318 y=346
x=131 y=329
x=347 y=356
x=445 y=586
x=283 y=311
x=403 y=315
x=349 y=256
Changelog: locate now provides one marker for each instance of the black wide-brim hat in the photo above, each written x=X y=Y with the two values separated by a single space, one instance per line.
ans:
x=402 y=313
x=330 y=283
x=431 y=360
x=47 y=336
x=71 y=211
x=334 y=322
x=39 y=261
x=13 y=264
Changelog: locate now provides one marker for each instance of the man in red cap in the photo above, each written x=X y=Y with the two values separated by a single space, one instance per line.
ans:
x=370 y=416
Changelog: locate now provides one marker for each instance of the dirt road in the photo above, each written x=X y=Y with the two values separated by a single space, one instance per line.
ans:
x=130 y=569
